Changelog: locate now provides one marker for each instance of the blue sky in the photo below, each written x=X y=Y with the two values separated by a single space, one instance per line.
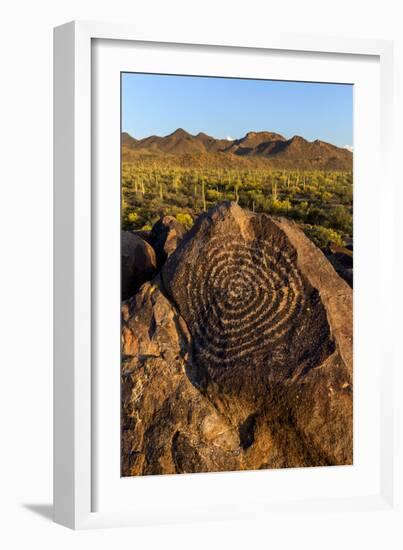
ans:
x=226 y=107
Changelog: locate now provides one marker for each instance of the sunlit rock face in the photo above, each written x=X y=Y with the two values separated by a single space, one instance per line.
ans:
x=247 y=353
x=253 y=316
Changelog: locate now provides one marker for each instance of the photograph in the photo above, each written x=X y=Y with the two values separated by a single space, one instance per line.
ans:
x=236 y=274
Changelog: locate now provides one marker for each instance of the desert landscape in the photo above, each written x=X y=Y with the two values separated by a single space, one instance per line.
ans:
x=182 y=175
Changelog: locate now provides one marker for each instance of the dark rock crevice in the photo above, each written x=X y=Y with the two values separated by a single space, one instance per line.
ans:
x=247 y=432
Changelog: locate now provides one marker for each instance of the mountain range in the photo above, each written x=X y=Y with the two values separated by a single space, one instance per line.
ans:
x=273 y=148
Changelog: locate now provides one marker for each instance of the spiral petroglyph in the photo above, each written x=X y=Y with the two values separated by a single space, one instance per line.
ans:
x=246 y=303
x=242 y=299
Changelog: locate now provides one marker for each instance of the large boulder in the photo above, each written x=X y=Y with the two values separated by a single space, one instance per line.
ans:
x=166 y=234
x=168 y=426
x=240 y=355
x=139 y=263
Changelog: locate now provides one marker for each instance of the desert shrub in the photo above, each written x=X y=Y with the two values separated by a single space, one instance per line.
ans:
x=133 y=217
x=341 y=219
x=213 y=195
x=146 y=227
x=323 y=236
x=185 y=219
x=316 y=216
x=280 y=208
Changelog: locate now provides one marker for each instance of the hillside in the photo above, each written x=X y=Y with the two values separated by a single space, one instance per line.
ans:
x=267 y=149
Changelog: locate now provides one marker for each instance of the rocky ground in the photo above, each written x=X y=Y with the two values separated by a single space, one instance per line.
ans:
x=236 y=348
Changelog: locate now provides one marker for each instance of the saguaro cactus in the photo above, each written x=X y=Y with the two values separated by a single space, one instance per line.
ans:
x=274 y=189
x=204 y=195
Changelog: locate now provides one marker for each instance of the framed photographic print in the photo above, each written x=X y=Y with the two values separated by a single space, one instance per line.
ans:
x=237 y=322
x=221 y=334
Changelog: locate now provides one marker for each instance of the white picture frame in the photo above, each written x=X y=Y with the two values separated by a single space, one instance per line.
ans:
x=80 y=427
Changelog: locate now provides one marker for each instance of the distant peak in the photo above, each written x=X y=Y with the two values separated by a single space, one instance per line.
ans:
x=127 y=139
x=180 y=132
x=298 y=138
x=264 y=134
x=254 y=134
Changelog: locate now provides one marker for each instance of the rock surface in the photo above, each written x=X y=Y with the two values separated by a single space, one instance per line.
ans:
x=168 y=426
x=239 y=356
x=166 y=235
x=342 y=260
x=139 y=263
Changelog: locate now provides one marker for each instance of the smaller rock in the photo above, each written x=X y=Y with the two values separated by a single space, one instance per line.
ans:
x=144 y=234
x=342 y=260
x=165 y=236
x=139 y=263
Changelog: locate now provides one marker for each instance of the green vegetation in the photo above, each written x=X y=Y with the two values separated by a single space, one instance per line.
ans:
x=323 y=236
x=321 y=202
